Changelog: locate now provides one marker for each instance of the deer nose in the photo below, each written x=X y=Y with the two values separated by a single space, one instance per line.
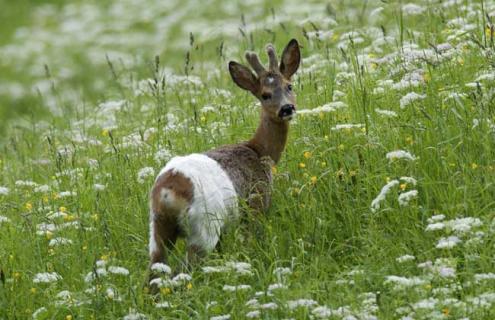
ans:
x=287 y=110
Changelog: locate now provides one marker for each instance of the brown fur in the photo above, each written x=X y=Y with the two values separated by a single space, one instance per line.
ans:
x=165 y=219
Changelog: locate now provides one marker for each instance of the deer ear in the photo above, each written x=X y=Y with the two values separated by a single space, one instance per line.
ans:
x=291 y=58
x=243 y=77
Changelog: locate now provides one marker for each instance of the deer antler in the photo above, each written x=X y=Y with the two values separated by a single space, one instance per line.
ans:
x=254 y=61
x=273 y=57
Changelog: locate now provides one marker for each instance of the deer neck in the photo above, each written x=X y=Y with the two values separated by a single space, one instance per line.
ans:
x=270 y=137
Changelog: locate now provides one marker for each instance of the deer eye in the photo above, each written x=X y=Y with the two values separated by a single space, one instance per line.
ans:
x=289 y=87
x=266 y=96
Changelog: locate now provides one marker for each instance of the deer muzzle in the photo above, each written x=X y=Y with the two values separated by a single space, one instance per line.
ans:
x=287 y=111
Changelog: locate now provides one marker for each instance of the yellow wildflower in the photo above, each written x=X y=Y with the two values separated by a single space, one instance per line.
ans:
x=28 y=206
x=307 y=154
x=189 y=286
x=302 y=165
x=314 y=179
x=104 y=132
x=165 y=290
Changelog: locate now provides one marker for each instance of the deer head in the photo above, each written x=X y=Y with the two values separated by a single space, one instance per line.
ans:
x=273 y=86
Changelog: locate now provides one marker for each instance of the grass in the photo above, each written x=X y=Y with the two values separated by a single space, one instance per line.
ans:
x=95 y=106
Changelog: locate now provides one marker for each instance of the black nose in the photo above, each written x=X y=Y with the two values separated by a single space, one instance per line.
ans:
x=286 y=110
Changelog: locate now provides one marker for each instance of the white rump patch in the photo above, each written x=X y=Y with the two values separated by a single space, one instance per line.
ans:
x=214 y=198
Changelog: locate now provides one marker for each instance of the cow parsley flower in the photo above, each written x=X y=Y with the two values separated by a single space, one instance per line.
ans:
x=448 y=243
x=145 y=173
x=221 y=317
x=400 y=154
x=293 y=304
x=4 y=219
x=410 y=98
x=118 y=270
x=46 y=277
x=4 y=191
x=161 y=268
x=240 y=287
x=412 y=9
x=375 y=204
x=253 y=314
x=405 y=258
x=406 y=197
x=59 y=242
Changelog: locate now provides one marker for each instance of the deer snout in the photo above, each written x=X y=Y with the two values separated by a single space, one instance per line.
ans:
x=287 y=111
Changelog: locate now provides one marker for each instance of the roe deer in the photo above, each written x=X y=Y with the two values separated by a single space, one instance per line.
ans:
x=194 y=195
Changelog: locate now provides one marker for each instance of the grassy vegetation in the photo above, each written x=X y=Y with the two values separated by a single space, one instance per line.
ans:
x=103 y=90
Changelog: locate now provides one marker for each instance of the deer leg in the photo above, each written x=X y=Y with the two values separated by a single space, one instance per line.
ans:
x=194 y=255
x=163 y=235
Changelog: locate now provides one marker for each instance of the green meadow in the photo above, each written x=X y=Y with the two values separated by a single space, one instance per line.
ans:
x=383 y=202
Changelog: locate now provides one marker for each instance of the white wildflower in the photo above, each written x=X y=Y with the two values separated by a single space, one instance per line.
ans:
x=375 y=204
x=4 y=191
x=387 y=113
x=412 y=9
x=406 y=197
x=65 y=194
x=276 y=286
x=448 y=243
x=210 y=269
x=445 y=272
x=425 y=304
x=25 y=183
x=410 y=98
x=410 y=180
x=163 y=305
x=282 y=271
x=134 y=315
x=479 y=277
x=438 y=217
x=347 y=126
x=99 y=187
x=242 y=268
x=4 y=219
x=101 y=263
x=405 y=282
x=293 y=304
x=46 y=277
x=161 y=268
x=241 y=287
x=162 y=155
x=322 y=312
x=145 y=173
x=182 y=277
x=269 y=306
x=405 y=258
x=253 y=314
x=435 y=226
x=329 y=107
x=42 y=189
x=400 y=154
x=59 y=242
x=222 y=317
x=38 y=312
x=118 y=270
x=253 y=303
